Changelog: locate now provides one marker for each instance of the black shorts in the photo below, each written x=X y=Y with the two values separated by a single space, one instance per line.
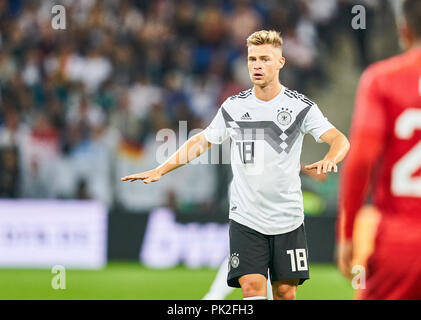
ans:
x=284 y=255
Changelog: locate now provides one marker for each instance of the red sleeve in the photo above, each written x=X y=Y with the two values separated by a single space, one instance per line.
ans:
x=367 y=136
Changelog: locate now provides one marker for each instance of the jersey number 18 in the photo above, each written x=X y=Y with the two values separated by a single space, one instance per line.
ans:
x=246 y=149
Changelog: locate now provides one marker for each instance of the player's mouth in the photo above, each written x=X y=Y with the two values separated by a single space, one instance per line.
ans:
x=258 y=75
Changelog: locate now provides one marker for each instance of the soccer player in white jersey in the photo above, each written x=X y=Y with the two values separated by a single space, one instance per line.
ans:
x=266 y=124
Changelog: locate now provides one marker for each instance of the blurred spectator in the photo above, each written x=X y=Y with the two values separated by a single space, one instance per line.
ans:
x=142 y=96
x=92 y=70
x=40 y=150
x=243 y=22
x=9 y=171
x=360 y=36
x=7 y=67
x=13 y=132
x=82 y=191
x=203 y=92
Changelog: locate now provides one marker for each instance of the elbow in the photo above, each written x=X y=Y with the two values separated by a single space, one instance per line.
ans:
x=347 y=145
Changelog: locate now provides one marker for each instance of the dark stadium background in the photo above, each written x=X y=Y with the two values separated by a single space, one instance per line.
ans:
x=81 y=107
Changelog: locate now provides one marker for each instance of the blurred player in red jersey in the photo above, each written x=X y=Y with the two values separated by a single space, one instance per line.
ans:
x=385 y=160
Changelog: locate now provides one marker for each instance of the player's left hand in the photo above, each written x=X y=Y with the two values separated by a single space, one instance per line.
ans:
x=323 y=166
x=344 y=254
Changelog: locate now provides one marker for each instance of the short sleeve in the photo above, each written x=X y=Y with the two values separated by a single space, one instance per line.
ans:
x=216 y=132
x=315 y=123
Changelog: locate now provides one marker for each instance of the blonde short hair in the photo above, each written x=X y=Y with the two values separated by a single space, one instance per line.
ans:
x=265 y=37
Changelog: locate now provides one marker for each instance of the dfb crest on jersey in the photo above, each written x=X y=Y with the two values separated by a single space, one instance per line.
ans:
x=234 y=260
x=284 y=116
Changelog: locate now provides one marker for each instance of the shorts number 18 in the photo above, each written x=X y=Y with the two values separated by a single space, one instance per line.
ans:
x=298 y=259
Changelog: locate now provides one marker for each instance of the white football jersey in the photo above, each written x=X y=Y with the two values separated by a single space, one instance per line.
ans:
x=266 y=141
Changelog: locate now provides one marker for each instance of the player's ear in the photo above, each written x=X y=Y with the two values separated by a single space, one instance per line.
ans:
x=406 y=37
x=281 y=62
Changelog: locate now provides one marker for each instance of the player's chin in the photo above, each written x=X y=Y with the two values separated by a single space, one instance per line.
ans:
x=258 y=81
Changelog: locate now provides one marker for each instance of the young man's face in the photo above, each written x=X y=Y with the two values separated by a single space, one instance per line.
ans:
x=264 y=63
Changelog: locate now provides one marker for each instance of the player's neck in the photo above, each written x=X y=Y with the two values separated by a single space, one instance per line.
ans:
x=268 y=92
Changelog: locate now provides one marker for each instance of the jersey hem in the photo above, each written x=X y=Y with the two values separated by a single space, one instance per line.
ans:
x=237 y=218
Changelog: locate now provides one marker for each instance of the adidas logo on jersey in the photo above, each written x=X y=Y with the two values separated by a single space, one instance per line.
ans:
x=246 y=116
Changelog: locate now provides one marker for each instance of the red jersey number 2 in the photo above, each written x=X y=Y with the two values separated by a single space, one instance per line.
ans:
x=403 y=183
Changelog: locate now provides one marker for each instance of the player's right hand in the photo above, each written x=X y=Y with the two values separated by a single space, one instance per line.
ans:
x=147 y=176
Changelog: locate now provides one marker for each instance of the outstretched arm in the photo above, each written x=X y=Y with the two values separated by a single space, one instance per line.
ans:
x=339 y=146
x=189 y=151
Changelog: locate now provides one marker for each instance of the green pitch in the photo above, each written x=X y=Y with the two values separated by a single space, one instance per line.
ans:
x=132 y=281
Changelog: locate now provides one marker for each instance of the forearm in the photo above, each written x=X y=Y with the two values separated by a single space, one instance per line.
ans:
x=189 y=151
x=338 y=149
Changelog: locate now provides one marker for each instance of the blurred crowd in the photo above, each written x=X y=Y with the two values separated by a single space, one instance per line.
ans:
x=81 y=107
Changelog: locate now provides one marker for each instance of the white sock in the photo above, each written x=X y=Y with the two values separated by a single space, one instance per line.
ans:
x=255 y=298
x=219 y=288
x=269 y=290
